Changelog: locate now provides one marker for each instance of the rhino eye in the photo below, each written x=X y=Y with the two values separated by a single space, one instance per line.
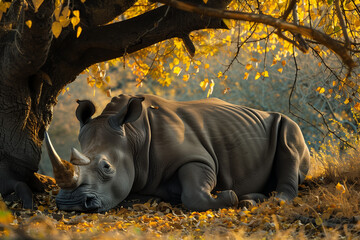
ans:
x=106 y=167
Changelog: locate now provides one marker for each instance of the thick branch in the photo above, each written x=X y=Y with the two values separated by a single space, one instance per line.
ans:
x=288 y=10
x=27 y=49
x=95 y=13
x=316 y=35
x=115 y=40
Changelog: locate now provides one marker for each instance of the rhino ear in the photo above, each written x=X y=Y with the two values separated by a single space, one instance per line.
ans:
x=130 y=113
x=84 y=111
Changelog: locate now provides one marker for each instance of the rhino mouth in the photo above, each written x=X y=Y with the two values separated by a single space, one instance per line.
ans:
x=84 y=202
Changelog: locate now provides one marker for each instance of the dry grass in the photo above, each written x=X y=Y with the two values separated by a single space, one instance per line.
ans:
x=327 y=208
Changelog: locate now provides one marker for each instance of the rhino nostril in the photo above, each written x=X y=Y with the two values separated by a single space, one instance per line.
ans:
x=92 y=203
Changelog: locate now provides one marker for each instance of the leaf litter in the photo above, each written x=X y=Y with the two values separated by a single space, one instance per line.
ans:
x=323 y=209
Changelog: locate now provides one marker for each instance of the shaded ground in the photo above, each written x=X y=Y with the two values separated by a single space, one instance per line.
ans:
x=322 y=210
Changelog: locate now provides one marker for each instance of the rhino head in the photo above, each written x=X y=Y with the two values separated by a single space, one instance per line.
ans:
x=102 y=176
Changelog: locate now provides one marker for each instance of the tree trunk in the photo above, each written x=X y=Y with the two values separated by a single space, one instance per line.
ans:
x=21 y=135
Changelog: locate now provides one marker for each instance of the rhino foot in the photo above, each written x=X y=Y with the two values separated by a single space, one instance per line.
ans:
x=23 y=188
x=229 y=198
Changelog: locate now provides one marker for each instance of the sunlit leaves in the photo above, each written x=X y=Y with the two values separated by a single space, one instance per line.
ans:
x=320 y=90
x=56 y=29
x=205 y=84
x=340 y=188
x=97 y=75
x=37 y=4
x=75 y=20
x=4 y=7
x=6 y=216
x=78 y=32
x=62 y=20
x=28 y=23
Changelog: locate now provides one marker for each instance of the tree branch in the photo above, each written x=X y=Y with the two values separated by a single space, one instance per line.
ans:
x=115 y=40
x=342 y=22
x=288 y=10
x=100 y=12
x=320 y=37
x=27 y=49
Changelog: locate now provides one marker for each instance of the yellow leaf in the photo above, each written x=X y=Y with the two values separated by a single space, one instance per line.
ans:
x=265 y=74
x=99 y=83
x=274 y=62
x=339 y=187
x=57 y=13
x=347 y=101
x=176 y=61
x=280 y=70
x=211 y=88
x=357 y=106
x=64 y=21
x=76 y=13
x=82 y=1
x=177 y=70
x=37 y=4
x=3 y=7
x=334 y=83
x=205 y=1
x=330 y=91
x=28 y=23
x=186 y=77
x=219 y=74
x=206 y=66
x=65 y=12
x=56 y=29
x=257 y=76
x=76 y=19
x=227 y=23
x=246 y=75
x=203 y=84
x=248 y=66
x=78 y=32
x=320 y=90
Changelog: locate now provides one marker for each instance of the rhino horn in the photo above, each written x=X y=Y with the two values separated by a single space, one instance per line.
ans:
x=77 y=158
x=65 y=173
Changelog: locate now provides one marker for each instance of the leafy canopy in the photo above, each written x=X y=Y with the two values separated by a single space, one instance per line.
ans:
x=270 y=30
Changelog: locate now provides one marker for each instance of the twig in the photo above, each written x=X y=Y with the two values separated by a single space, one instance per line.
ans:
x=342 y=22
x=291 y=94
x=329 y=130
x=239 y=46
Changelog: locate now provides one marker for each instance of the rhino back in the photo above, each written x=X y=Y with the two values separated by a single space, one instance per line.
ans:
x=239 y=143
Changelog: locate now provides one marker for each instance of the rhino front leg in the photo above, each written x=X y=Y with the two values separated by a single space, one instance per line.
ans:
x=197 y=181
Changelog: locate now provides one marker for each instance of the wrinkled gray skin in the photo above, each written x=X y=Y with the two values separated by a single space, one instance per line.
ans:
x=183 y=152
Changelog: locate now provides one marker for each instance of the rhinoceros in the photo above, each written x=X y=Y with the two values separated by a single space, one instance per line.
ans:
x=205 y=154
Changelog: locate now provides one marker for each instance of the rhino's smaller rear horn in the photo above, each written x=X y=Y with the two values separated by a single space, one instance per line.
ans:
x=65 y=173
x=77 y=158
